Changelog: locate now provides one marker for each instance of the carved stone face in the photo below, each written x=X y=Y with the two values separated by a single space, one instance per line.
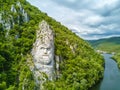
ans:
x=44 y=46
x=44 y=54
x=43 y=51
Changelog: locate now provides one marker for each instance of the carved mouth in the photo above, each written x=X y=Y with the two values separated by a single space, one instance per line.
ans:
x=46 y=55
x=45 y=59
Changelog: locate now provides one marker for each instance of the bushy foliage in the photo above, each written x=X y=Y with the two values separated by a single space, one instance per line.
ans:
x=80 y=66
x=116 y=57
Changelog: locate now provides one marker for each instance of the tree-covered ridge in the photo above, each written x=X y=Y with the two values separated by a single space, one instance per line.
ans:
x=80 y=66
x=15 y=42
x=110 y=44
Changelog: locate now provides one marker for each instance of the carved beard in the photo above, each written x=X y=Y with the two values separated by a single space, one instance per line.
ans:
x=45 y=61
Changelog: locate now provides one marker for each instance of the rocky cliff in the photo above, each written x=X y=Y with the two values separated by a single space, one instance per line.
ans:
x=27 y=52
x=43 y=54
x=16 y=15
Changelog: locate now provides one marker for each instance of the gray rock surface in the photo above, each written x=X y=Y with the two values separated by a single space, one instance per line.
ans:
x=10 y=21
x=43 y=54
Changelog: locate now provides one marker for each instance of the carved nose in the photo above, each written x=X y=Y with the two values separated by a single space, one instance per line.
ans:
x=45 y=51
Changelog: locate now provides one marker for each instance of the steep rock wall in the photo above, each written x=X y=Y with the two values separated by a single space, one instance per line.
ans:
x=43 y=55
x=8 y=20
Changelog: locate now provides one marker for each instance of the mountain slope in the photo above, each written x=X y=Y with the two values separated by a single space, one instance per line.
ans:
x=109 y=44
x=79 y=67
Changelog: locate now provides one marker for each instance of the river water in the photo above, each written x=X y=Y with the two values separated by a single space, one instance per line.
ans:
x=111 y=79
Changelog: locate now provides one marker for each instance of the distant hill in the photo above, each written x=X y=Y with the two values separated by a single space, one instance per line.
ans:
x=108 y=44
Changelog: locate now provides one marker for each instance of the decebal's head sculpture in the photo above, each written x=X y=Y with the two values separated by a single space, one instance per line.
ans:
x=43 y=50
x=45 y=46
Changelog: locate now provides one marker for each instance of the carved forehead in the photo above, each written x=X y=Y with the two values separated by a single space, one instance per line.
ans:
x=45 y=35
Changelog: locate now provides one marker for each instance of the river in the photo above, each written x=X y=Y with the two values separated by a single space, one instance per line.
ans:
x=111 y=79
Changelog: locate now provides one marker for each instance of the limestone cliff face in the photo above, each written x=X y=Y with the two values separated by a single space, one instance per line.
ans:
x=43 y=54
x=7 y=20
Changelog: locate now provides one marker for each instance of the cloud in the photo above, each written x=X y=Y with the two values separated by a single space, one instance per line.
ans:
x=88 y=19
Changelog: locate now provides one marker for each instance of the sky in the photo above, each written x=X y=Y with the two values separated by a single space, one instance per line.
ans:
x=89 y=19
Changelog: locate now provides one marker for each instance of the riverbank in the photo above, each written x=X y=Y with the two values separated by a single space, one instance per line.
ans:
x=111 y=77
x=116 y=57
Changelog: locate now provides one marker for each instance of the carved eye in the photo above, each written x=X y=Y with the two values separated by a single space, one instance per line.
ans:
x=42 y=48
x=48 y=48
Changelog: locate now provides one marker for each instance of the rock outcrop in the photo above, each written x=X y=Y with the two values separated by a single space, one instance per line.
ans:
x=8 y=23
x=43 y=54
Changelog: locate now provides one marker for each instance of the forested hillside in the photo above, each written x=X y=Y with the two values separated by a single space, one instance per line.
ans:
x=109 y=44
x=80 y=66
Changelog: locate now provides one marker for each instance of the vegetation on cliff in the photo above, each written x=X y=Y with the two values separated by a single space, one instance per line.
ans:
x=80 y=66
x=116 y=57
